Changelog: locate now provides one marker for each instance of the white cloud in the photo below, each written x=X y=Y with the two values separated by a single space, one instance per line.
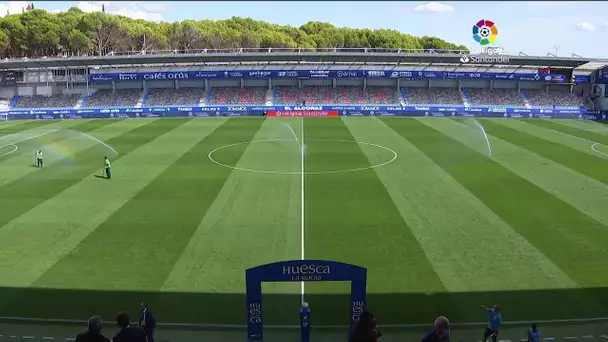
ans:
x=56 y=11
x=13 y=7
x=124 y=8
x=434 y=7
x=89 y=7
x=605 y=25
x=155 y=8
x=585 y=26
x=138 y=14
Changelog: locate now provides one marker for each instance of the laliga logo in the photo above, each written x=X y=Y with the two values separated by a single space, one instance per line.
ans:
x=485 y=32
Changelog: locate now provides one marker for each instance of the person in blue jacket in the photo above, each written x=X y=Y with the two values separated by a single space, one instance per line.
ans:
x=533 y=333
x=494 y=322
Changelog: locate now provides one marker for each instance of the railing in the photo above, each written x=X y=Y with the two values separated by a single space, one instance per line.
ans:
x=238 y=51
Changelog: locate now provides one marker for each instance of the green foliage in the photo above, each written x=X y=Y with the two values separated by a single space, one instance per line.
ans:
x=38 y=33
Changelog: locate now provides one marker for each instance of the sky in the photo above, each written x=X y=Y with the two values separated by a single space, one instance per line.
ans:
x=535 y=28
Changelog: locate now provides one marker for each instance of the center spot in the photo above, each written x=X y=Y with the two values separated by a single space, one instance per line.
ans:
x=284 y=156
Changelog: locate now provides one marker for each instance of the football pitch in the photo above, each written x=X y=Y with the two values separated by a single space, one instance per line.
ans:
x=443 y=219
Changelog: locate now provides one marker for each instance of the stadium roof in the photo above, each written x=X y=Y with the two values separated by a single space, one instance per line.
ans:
x=343 y=56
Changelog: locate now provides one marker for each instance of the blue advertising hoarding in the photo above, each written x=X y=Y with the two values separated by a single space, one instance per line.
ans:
x=320 y=74
x=192 y=111
x=197 y=111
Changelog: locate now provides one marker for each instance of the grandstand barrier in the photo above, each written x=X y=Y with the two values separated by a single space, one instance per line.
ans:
x=209 y=111
x=316 y=74
x=302 y=271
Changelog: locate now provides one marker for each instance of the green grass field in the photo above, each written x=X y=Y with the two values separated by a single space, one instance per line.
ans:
x=440 y=224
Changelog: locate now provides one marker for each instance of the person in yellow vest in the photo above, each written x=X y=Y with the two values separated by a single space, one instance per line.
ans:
x=39 y=158
x=107 y=167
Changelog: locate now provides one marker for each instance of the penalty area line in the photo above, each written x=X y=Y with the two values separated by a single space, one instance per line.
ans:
x=14 y=143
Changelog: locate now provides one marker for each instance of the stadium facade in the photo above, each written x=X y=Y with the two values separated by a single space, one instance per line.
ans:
x=296 y=83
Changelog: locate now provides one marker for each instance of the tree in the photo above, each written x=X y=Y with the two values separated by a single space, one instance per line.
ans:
x=102 y=29
x=38 y=33
x=78 y=42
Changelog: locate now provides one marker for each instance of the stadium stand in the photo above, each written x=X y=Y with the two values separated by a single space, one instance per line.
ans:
x=498 y=97
x=494 y=97
x=340 y=95
x=237 y=96
x=106 y=98
x=560 y=99
x=57 y=101
x=425 y=96
x=183 y=96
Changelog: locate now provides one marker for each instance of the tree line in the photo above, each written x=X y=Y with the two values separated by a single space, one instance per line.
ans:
x=37 y=33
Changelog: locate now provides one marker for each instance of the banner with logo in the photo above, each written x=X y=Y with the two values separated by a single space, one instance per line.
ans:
x=299 y=271
x=300 y=111
x=285 y=110
x=304 y=113
x=401 y=74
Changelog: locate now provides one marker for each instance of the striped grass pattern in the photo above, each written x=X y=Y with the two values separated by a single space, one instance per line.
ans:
x=442 y=228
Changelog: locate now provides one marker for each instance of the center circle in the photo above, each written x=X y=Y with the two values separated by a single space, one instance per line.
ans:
x=8 y=149
x=391 y=156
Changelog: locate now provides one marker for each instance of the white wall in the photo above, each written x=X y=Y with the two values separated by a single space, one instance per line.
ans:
x=7 y=92
x=284 y=82
x=225 y=83
x=129 y=85
x=373 y=82
x=25 y=91
x=255 y=83
x=475 y=84
x=317 y=83
x=350 y=82
x=505 y=84
x=191 y=84
x=160 y=84
x=442 y=84
x=44 y=90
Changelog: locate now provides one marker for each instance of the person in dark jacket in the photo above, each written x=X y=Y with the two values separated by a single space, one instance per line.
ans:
x=93 y=334
x=128 y=333
x=533 y=333
x=366 y=329
x=147 y=321
x=441 y=331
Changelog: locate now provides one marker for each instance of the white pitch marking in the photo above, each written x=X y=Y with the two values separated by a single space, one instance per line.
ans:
x=28 y=337
x=48 y=338
x=302 y=199
x=549 y=339
x=395 y=155
x=300 y=143
x=594 y=143
x=22 y=140
x=570 y=338
x=600 y=152
x=587 y=336
x=15 y=148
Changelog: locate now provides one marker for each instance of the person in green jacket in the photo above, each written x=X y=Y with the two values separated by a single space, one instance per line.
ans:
x=39 y=158
x=107 y=167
